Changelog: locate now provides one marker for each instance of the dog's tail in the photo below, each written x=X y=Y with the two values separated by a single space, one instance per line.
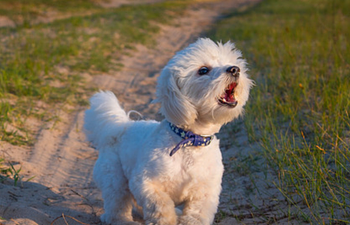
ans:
x=105 y=121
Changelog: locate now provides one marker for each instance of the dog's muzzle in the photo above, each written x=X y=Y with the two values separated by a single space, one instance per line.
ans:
x=227 y=98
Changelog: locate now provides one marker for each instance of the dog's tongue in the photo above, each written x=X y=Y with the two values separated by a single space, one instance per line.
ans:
x=229 y=97
x=232 y=86
x=229 y=92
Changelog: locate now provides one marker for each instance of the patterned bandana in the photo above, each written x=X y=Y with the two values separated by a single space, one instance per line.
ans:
x=190 y=139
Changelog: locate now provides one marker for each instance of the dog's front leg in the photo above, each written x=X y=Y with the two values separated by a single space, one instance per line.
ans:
x=200 y=211
x=158 y=207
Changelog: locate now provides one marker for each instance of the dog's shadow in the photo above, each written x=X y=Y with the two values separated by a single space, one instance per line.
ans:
x=32 y=203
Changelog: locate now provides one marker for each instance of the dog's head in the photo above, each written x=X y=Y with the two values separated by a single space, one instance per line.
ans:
x=206 y=83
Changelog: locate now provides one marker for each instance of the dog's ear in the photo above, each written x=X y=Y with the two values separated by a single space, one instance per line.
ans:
x=175 y=106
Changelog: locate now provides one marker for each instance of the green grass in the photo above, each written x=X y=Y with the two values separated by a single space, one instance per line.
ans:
x=8 y=171
x=299 y=55
x=26 y=12
x=33 y=55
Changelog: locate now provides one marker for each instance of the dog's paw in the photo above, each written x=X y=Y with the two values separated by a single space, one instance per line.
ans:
x=129 y=223
x=106 y=219
x=163 y=221
x=189 y=220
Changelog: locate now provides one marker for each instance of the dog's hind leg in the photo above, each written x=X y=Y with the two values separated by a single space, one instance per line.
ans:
x=118 y=209
x=109 y=176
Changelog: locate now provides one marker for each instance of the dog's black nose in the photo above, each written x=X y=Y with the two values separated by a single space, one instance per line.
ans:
x=234 y=70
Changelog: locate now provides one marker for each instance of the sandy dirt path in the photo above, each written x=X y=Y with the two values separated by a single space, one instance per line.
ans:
x=62 y=161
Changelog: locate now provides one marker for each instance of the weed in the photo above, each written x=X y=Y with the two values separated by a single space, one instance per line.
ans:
x=3 y=170
x=11 y=172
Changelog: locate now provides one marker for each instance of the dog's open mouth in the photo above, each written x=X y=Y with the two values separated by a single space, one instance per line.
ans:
x=228 y=98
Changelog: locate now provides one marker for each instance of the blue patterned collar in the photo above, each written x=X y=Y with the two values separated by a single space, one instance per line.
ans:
x=190 y=139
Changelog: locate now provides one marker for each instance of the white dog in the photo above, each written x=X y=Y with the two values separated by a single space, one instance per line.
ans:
x=155 y=166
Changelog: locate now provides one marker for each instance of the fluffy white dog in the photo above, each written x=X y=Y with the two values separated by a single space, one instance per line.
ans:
x=155 y=166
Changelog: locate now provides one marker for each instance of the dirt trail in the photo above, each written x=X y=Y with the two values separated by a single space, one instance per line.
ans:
x=62 y=161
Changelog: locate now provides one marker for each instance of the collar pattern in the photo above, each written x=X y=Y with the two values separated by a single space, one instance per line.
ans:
x=190 y=139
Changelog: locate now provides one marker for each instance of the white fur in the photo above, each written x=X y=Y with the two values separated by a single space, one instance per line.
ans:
x=134 y=168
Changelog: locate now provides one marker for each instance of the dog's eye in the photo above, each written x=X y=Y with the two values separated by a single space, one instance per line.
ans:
x=203 y=70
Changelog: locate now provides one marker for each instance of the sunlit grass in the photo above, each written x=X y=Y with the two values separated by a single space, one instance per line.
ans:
x=44 y=61
x=299 y=111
